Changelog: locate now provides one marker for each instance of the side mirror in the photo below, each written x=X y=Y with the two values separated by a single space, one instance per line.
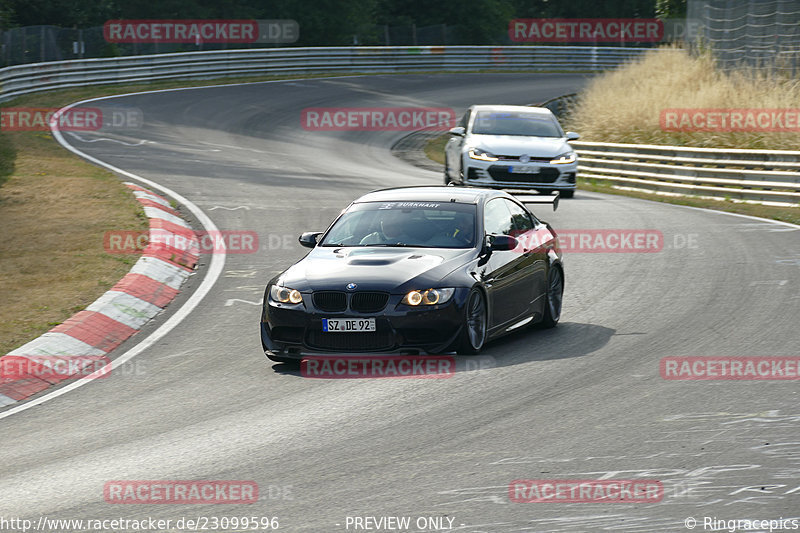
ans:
x=502 y=243
x=458 y=131
x=309 y=238
x=572 y=136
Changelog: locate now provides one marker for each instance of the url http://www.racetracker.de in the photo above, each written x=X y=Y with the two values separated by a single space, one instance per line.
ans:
x=196 y=523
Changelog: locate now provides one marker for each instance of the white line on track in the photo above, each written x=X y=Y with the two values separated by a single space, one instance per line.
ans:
x=215 y=269
x=81 y=139
x=218 y=259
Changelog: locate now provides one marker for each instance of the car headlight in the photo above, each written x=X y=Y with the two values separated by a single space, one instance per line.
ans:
x=564 y=159
x=483 y=155
x=428 y=297
x=285 y=295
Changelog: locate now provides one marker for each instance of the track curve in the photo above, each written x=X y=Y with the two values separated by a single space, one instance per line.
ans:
x=582 y=401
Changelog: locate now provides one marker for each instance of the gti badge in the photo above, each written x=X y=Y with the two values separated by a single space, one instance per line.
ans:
x=524 y=158
x=351 y=286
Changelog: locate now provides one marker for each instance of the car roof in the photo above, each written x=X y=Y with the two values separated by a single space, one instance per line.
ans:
x=433 y=193
x=512 y=108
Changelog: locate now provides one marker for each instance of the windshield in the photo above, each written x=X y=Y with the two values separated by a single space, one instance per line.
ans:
x=515 y=123
x=413 y=224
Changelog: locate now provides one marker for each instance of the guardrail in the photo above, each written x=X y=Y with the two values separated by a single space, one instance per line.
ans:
x=35 y=77
x=762 y=176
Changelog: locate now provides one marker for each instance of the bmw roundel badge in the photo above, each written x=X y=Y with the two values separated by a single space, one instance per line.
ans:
x=351 y=286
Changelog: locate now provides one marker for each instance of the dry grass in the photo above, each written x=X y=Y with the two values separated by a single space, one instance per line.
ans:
x=625 y=105
x=434 y=149
x=52 y=263
x=7 y=157
x=54 y=210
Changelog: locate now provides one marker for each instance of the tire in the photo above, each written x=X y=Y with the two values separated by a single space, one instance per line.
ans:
x=567 y=194
x=555 y=292
x=446 y=172
x=460 y=174
x=475 y=328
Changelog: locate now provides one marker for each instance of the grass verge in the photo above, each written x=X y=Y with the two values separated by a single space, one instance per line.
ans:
x=434 y=149
x=625 y=105
x=54 y=210
x=8 y=156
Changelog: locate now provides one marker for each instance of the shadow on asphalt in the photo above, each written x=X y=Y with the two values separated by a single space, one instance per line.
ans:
x=569 y=339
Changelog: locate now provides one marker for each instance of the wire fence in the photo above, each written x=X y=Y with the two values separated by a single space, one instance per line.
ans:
x=759 y=34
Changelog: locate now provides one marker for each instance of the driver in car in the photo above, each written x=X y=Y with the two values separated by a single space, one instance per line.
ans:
x=394 y=229
x=458 y=233
x=464 y=229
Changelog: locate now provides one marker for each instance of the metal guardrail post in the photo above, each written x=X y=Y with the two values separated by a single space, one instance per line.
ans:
x=758 y=176
x=767 y=176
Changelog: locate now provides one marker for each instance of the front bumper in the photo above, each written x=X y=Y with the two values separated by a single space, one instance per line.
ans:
x=497 y=174
x=292 y=331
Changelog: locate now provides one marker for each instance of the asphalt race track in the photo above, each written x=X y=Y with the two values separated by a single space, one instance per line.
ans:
x=583 y=401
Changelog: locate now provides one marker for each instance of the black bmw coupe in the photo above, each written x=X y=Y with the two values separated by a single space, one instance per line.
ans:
x=416 y=270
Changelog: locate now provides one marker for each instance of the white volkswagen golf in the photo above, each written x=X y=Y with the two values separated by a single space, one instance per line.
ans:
x=519 y=147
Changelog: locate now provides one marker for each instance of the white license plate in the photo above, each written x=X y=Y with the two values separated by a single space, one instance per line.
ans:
x=336 y=325
x=523 y=170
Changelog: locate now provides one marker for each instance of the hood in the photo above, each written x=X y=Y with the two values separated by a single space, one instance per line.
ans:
x=371 y=268
x=518 y=145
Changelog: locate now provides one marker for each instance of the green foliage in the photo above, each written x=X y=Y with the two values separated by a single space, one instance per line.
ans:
x=478 y=21
x=584 y=9
x=335 y=22
x=670 y=9
x=64 y=13
x=326 y=22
